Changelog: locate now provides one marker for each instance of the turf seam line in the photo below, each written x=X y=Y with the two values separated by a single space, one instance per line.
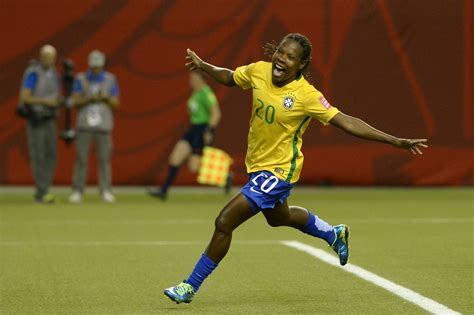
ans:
x=127 y=243
x=411 y=296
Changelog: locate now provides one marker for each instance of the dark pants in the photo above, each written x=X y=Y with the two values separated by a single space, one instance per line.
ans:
x=103 y=144
x=195 y=137
x=42 y=148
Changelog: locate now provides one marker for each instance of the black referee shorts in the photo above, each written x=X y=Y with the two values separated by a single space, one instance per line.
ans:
x=195 y=137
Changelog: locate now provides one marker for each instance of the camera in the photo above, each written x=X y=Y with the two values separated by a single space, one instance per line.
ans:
x=68 y=134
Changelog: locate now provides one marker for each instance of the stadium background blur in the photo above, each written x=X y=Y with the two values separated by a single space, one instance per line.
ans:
x=403 y=66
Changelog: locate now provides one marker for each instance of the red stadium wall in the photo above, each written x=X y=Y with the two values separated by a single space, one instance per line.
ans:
x=403 y=66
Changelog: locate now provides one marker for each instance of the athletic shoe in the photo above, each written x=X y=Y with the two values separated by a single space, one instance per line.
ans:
x=183 y=292
x=76 y=197
x=341 y=243
x=107 y=196
x=157 y=193
x=47 y=198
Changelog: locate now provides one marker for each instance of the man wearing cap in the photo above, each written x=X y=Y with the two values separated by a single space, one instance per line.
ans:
x=95 y=95
x=39 y=96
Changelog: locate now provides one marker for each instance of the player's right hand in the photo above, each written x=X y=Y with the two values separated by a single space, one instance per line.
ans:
x=193 y=60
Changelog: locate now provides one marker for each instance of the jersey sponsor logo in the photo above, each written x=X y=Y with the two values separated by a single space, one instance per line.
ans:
x=289 y=101
x=324 y=102
x=279 y=170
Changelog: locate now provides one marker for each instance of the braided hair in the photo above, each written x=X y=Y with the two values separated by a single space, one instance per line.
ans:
x=270 y=48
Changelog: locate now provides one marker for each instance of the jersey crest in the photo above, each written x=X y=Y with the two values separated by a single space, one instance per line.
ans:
x=289 y=101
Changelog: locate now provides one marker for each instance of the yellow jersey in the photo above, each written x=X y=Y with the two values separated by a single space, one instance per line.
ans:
x=280 y=116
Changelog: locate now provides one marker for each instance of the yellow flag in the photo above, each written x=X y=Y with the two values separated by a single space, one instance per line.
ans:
x=214 y=167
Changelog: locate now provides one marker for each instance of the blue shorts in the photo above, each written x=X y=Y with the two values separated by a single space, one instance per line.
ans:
x=264 y=190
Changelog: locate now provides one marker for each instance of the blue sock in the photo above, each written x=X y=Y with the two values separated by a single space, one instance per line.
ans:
x=319 y=228
x=203 y=268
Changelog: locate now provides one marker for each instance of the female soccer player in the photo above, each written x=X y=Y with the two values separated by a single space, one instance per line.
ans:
x=283 y=105
x=204 y=114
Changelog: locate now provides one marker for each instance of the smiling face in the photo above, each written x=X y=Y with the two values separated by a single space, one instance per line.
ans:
x=287 y=62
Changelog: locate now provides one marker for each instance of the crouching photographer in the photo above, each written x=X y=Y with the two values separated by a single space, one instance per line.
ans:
x=39 y=99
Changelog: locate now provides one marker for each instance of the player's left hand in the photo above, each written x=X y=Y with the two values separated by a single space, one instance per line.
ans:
x=193 y=60
x=414 y=145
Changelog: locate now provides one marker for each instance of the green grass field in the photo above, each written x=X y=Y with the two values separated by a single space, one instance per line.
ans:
x=115 y=258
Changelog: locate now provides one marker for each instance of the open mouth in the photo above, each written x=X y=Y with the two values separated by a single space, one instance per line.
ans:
x=277 y=70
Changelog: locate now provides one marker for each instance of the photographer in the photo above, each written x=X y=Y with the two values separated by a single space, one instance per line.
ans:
x=39 y=100
x=95 y=95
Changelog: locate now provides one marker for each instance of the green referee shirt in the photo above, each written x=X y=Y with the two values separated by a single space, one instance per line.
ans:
x=199 y=105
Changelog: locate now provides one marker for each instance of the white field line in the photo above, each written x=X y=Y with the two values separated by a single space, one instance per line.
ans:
x=108 y=222
x=126 y=243
x=73 y=222
x=405 y=293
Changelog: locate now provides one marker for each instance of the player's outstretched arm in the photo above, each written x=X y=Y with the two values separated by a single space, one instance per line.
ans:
x=221 y=75
x=361 y=129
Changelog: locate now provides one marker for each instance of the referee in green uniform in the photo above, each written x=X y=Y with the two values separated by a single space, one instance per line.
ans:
x=204 y=114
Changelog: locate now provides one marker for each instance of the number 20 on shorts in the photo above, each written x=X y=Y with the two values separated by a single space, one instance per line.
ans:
x=267 y=185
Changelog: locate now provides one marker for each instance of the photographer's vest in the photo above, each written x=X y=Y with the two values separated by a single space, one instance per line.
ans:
x=96 y=116
x=47 y=86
